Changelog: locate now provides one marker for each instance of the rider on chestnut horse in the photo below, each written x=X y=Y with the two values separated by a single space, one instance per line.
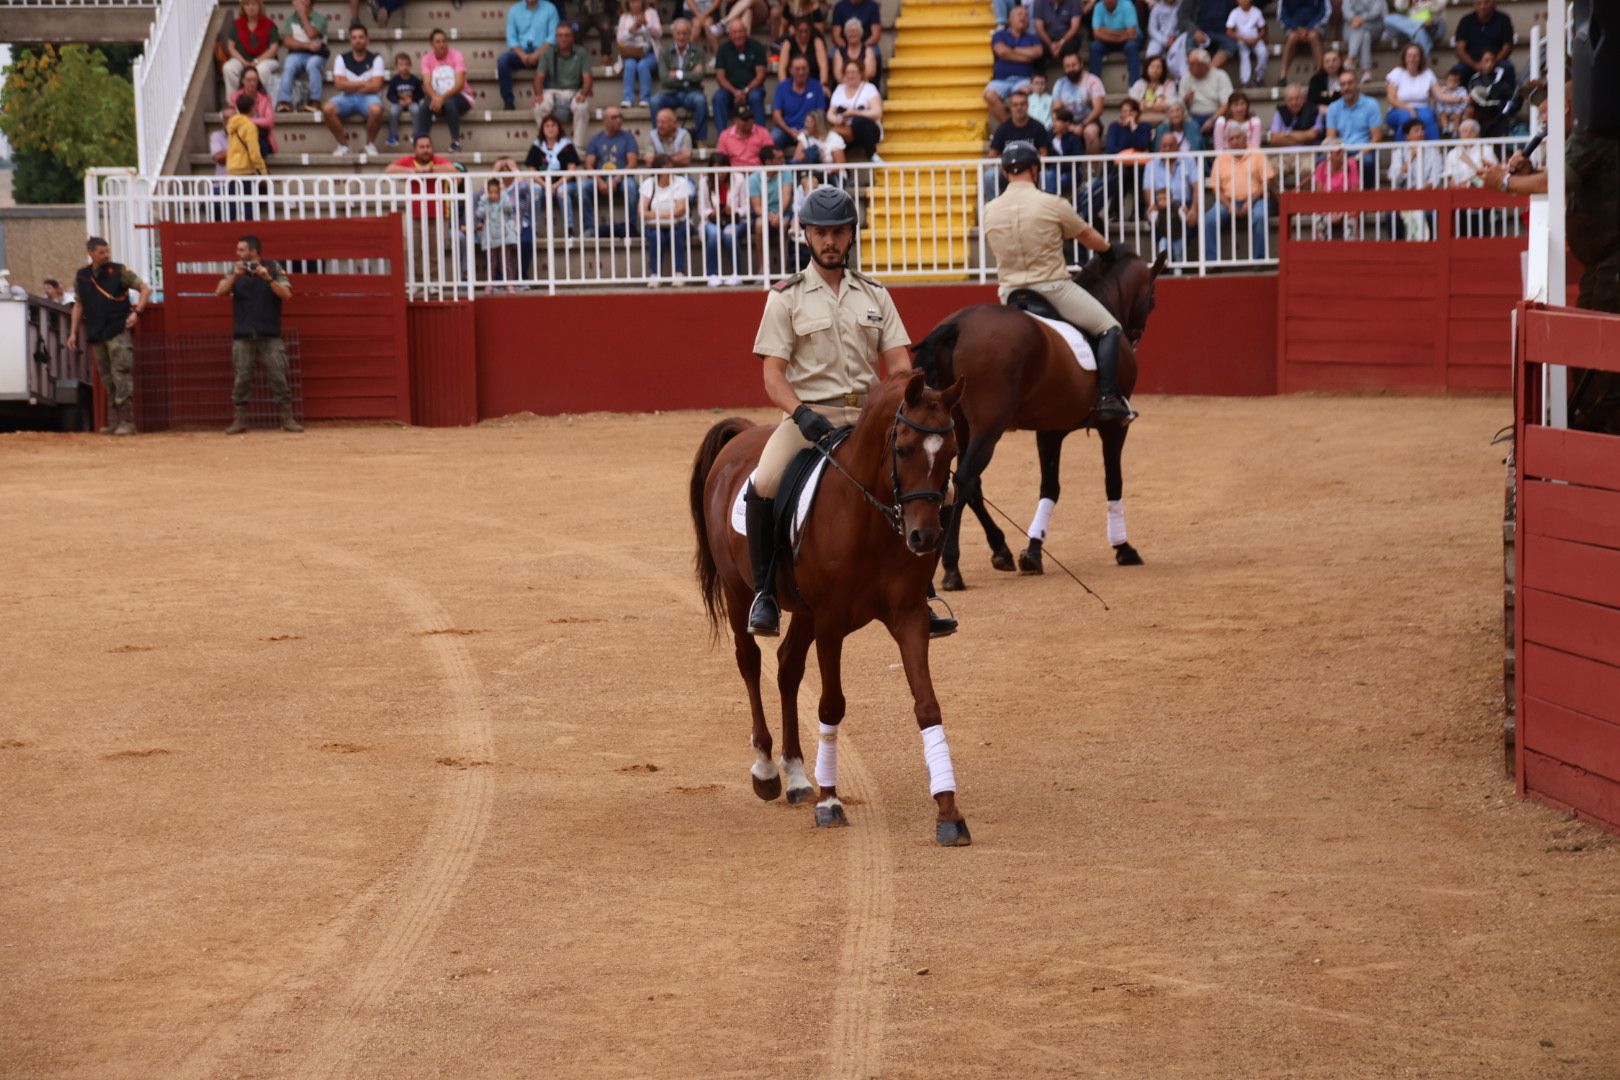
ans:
x=1026 y=228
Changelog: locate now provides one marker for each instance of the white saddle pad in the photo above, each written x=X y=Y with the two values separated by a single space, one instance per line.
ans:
x=739 y=512
x=1077 y=341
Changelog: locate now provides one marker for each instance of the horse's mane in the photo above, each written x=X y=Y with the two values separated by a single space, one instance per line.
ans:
x=1089 y=276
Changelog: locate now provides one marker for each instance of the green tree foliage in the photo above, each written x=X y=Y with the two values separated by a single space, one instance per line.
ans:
x=64 y=112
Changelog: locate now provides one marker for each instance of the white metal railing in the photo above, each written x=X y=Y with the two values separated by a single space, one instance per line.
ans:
x=162 y=76
x=920 y=221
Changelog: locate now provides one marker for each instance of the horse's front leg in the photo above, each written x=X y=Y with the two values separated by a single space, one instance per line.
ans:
x=910 y=631
x=830 y=656
x=1113 y=446
x=790 y=657
x=969 y=468
x=1049 y=448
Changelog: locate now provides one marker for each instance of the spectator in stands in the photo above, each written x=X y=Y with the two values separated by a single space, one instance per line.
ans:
x=1296 y=122
x=1114 y=27
x=1060 y=24
x=1129 y=134
x=820 y=144
x=53 y=291
x=856 y=112
x=786 y=13
x=1204 y=21
x=1323 y=89
x=665 y=204
x=855 y=51
x=739 y=67
x=1241 y=178
x=1423 y=22
x=358 y=77
x=252 y=102
x=770 y=200
x=447 y=95
x=1165 y=37
x=426 y=238
x=682 y=64
x=795 y=99
x=1040 y=100
x=870 y=15
x=498 y=232
x=612 y=148
x=1016 y=50
x=1168 y=194
x=528 y=193
x=554 y=156
x=803 y=43
x=1155 y=90
x=251 y=40
x=1354 y=118
x=403 y=92
x=1066 y=141
x=531 y=25
x=713 y=22
x=1336 y=172
x=1176 y=120
x=562 y=83
x=1246 y=25
x=1363 y=25
x=1416 y=167
x=723 y=209
x=1469 y=157
x=1237 y=113
x=243 y=154
x=1206 y=90
x=741 y=142
x=1302 y=22
x=1484 y=33
x=1412 y=88
x=1490 y=94
x=668 y=139
x=638 y=36
x=304 y=40
x=1018 y=127
x=1450 y=102
x=1083 y=95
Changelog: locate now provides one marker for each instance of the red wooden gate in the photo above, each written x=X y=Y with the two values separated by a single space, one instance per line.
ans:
x=1567 y=619
x=348 y=305
x=1383 y=314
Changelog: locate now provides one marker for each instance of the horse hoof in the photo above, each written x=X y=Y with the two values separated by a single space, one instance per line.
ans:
x=1126 y=555
x=951 y=582
x=768 y=789
x=952 y=834
x=830 y=816
x=797 y=795
x=1029 y=562
x=1002 y=560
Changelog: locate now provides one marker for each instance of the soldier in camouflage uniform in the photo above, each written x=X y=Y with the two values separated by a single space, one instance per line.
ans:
x=257 y=287
x=105 y=311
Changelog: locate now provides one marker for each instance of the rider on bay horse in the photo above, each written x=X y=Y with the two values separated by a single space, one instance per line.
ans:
x=820 y=337
x=1026 y=228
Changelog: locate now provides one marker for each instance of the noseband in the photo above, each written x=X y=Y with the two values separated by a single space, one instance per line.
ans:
x=893 y=512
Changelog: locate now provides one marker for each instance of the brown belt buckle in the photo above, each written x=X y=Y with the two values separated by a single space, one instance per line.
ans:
x=852 y=401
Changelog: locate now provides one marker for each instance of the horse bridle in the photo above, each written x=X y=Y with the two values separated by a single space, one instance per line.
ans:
x=894 y=513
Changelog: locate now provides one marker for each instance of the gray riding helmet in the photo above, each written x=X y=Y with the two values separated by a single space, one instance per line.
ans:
x=827 y=206
x=1019 y=156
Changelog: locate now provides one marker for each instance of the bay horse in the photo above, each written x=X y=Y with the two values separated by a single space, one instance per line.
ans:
x=868 y=551
x=1021 y=374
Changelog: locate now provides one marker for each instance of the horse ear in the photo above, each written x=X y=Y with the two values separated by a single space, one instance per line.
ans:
x=1159 y=263
x=914 y=387
x=953 y=394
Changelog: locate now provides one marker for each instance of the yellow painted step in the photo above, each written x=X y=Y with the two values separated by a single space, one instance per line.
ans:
x=919 y=253
x=941 y=55
x=950 y=79
x=951 y=16
x=928 y=104
x=952 y=128
x=931 y=149
x=944 y=37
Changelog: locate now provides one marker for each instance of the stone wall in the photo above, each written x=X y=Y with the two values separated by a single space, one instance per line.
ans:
x=37 y=242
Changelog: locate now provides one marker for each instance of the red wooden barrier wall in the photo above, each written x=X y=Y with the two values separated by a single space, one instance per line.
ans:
x=444 y=363
x=1567 y=621
x=351 y=326
x=1423 y=316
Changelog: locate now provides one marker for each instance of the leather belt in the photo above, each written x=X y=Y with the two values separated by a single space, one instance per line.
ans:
x=846 y=401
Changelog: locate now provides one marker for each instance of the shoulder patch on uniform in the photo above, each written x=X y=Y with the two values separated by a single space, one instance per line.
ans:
x=788 y=282
x=858 y=276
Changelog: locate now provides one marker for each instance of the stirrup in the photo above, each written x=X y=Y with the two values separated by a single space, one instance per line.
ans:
x=764 y=617
x=1113 y=407
x=940 y=626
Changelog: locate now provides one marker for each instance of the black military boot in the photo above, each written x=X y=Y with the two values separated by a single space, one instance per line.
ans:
x=1111 y=405
x=764 y=618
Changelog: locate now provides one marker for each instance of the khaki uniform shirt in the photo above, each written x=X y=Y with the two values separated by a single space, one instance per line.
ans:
x=830 y=340
x=1026 y=227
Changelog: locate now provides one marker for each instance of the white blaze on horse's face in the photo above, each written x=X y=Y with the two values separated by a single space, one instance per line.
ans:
x=932 y=445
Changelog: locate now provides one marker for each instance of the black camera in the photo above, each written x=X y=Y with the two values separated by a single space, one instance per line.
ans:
x=251 y=266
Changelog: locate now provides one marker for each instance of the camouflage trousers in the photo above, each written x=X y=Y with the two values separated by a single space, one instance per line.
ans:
x=1592 y=200
x=272 y=355
x=115 y=360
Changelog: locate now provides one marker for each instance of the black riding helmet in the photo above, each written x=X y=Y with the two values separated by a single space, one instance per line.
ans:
x=1019 y=156
x=827 y=207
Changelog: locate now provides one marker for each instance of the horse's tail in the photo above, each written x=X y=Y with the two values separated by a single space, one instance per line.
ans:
x=708 y=573
x=933 y=354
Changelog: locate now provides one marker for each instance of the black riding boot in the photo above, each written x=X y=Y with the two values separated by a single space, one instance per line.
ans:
x=1111 y=405
x=938 y=625
x=764 y=618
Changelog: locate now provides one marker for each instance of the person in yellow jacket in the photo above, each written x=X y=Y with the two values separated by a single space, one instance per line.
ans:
x=242 y=157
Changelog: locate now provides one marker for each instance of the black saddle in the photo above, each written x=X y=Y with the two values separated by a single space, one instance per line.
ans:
x=794 y=478
x=1035 y=304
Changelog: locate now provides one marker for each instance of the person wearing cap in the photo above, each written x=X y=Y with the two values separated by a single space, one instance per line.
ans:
x=1026 y=228
x=741 y=141
x=820 y=339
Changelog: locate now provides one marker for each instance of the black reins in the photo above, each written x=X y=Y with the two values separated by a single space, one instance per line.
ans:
x=893 y=512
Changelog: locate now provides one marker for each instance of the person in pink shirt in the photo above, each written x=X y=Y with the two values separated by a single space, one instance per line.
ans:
x=1335 y=172
x=256 y=105
x=444 y=72
x=741 y=141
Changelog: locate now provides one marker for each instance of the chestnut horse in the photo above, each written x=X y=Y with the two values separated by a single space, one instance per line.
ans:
x=1021 y=374
x=867 y=552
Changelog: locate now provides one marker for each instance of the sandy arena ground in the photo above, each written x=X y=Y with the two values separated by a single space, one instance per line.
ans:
x=394 y=753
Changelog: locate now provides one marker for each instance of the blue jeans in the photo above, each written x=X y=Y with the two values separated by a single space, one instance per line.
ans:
x=627 y=196
x=1002 y=9
x=1133 y=56
x=1218 y=215
x=1217 y=43
x=1407 y=29
x=394 y=109
x=661 y=239
x=690 y=99
x=733 y=238
x=639 y=72
x=1397 y=119
x=508 y=63
x=311 y=65
x=722 y=107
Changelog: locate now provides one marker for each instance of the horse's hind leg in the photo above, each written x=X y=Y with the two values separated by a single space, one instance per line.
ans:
x=790 y=657
x=1113 y=445
x=970 y=467
x=767 y=780
x=1001 y=556
x=1049 y=448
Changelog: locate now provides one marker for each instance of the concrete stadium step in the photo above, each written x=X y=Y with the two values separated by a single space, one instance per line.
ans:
x=931 y=149
x=952 y=80
x=959 y=17
x=974 y=55
x=893 y=248
x=947 y=37
x=949 y=128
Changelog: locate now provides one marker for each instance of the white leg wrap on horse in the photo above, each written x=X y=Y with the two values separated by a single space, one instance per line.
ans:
x=1116 y=521
x=764 y=768
x=941 y=777
x=1043 y=518
x=827 y=757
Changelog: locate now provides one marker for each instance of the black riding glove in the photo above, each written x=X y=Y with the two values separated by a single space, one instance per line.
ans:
x=812 y=425
x=1109 y=254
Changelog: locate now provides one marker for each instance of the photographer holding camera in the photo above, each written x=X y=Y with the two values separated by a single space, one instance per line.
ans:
x=257 y=287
